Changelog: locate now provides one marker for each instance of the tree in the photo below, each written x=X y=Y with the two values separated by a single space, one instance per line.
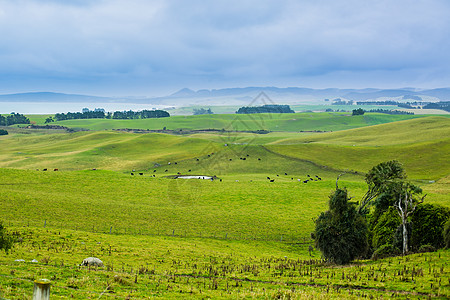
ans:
x=379 y=180
x=3 y=132
x=358 y=112
x=341 y=233
x=49 y=120
x=388 y=188
x=6 y=240
x=406 y=205
x=428 y=225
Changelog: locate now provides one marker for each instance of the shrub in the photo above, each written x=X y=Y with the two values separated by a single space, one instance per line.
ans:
x=341 y=233
x=3 y=132
x=385 y=250
x=384 y=230
x=428 y=225
x=447 y=234
x=6 y=240
x=426 y=248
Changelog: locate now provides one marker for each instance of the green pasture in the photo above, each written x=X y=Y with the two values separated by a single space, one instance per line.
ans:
x=230 y=109
x=238 y=236
x=420 y=144
x=241 y=122
x=142 y=266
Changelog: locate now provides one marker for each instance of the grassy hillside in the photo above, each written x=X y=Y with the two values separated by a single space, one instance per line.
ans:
x=273 y=122
x=422 y=145
x=240 y=236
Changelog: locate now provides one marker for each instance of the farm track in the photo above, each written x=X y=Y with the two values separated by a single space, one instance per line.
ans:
x=323 y=167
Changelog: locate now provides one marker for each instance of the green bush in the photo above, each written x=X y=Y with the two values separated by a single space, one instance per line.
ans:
x=6 y=240
x=384 y=230
x=386 y=250
x=447 y=234
x=341 y=233
x=428 y=225
x=3 y=132
x=426 y=248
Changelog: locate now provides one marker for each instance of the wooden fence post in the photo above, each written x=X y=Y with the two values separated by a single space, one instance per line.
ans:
x=41 y=289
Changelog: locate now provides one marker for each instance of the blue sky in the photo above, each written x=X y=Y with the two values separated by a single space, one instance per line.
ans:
x=155 y=47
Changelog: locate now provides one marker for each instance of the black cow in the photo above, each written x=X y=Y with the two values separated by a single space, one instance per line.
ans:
x=272 y=180
x=141 y=173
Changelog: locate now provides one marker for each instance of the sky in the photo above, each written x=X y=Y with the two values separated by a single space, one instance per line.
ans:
x=156 y=47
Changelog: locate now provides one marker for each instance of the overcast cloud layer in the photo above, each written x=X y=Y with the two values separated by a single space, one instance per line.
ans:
x=151 y=47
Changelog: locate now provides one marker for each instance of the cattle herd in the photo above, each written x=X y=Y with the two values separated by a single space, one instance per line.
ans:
x=243 y=158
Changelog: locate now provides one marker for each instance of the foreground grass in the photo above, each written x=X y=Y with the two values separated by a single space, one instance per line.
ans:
x=174 y=267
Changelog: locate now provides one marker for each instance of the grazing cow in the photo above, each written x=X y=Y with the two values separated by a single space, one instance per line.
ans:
x=132 y=173
x=197 y=159
x=221 y=180
x=305 y=181
x=153 y=175
x=259 y=158
x=94 y=169
x=189 y=170
x=268 y=177
x=278 y=175
x=55 y=170
x=178 y=173
x=248 y=155
x=308 y=175
x=166 y=170
x=209 y=155
x=44 y=169
x=292 y=178
x=244 y=158
x=176 y=163
x=285 y=173
x=141 y=173
x=154 y=171
x=230 y=159
x=319 y=178
x=272 y=180
x=92 y=261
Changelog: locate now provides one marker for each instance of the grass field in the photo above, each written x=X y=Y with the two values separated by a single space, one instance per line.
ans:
x=239 y=236
x=273 y=122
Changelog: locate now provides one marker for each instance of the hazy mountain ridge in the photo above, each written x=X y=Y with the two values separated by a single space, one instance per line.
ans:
x=243 y=96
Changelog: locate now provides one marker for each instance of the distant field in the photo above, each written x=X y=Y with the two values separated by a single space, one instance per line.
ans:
x=273 y=122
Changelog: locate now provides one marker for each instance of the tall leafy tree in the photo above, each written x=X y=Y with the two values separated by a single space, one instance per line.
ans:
x=341 y=232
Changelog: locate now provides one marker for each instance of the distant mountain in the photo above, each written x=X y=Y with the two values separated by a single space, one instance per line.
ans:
x=246 y=96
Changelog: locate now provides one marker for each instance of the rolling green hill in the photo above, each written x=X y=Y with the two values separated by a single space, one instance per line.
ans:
x=239 y=236
x=273 y=122
x=422 y=145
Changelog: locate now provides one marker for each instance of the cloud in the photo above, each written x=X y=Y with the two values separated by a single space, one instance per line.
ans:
x=142 y=45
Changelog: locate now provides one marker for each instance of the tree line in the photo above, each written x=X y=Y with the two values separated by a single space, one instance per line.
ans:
x=99 y=114
x=444 y=105
x=13 y=118
x=389 y=220
x=268 y=108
